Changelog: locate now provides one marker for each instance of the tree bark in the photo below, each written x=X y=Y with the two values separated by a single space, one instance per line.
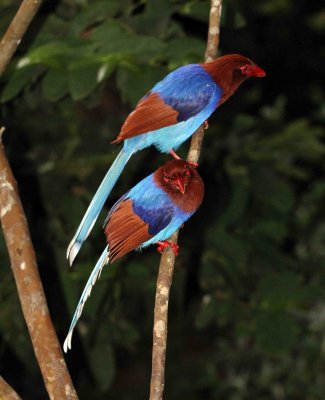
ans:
x=7 y=392
x=167 y=262
x=16 y=31
x=30 y=290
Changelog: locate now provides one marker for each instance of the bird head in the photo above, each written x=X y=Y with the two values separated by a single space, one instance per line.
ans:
x=175 y=175
x=182 y=183
x=230 y=71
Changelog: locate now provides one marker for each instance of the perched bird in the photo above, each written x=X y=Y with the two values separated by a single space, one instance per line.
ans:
x=165 y=117
x=148 y=213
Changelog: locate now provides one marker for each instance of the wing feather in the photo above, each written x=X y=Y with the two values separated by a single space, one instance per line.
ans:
x=125 y=231
x=130 y=225
x=181 y=95
x=150 y=114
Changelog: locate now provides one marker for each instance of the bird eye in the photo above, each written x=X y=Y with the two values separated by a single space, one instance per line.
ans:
x=244 y=68
x=167 y=178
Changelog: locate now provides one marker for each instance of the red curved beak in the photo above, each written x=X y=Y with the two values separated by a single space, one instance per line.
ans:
x=180 y=184
x=256 y=71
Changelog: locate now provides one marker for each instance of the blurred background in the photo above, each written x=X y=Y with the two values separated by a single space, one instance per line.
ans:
x=247 y=307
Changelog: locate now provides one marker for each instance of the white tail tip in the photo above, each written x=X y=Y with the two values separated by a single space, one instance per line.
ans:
x=72 y=251
x=67 y=342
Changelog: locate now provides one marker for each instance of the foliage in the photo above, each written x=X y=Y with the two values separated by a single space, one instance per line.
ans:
x=247 y=305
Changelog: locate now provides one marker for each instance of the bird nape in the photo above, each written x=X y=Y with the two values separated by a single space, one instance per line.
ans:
x=167 y=116
x=148 y=213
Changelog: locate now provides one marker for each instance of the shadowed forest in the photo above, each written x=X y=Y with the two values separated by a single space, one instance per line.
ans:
x=247 y=305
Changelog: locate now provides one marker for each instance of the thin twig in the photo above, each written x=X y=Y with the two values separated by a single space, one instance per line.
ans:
x=30 y=290
x=16 y=31
x=167 y=262
x=7 y=392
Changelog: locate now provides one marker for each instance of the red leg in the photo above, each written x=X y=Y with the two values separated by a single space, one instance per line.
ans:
x=194 y=164
x=172 y=152
x=162 y=245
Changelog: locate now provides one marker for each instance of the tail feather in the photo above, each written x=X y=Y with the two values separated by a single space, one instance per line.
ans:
x=95 y=275
x=97 y=203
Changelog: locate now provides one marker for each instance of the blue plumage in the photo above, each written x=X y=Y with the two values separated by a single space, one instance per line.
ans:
x=157 y=209
x=154 y=218
x=97 y=203
x=188 y=90
x=84 y=296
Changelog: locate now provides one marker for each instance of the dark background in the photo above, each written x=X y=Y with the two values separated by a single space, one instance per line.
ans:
x=247 y=309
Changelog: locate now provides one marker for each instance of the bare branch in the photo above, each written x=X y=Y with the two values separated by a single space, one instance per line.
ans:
x=16 y=31
x=167 y=262
x=30 y=290
x=164 y=282
x=7 y=392
x=214 y=30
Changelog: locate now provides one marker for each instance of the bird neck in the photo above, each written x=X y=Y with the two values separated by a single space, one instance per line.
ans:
x=224 y=73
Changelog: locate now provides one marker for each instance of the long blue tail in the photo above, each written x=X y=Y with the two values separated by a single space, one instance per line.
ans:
x=102 y=261
x=97 y=203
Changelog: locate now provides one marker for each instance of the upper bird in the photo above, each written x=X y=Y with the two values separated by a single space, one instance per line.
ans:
x=166 y=116
x=148 y=213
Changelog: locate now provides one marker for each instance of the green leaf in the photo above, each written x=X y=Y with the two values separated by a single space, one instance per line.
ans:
x=272 y=192
x=197 y=10
x=184 y=50
x=55 y=84
x=83 y=79
x=297 y=139
x=240 y=195
x=110 y=35
x=49 y=54
x=276 y=332
x=18 y=80
x=113 y=37
x=155 y=20
x=280 y=290
x=135 y=83
x=145 y=46
x=95 y=12
x=272 y=229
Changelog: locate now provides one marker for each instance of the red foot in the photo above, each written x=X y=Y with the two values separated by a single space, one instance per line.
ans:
x=206 y=124
x=194 y=164
x=162 y=246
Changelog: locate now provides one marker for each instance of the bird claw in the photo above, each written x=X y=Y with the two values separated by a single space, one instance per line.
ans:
x=163 y=245
x=206 y=124
x=193 y=164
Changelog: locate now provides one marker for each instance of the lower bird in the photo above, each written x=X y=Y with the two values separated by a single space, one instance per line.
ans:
x=148 y=213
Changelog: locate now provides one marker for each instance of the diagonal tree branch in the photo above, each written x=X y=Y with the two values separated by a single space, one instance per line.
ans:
x=21 y=252
x=7 y=392
x=167 y=262
x=30 y=290
x=16 y=31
